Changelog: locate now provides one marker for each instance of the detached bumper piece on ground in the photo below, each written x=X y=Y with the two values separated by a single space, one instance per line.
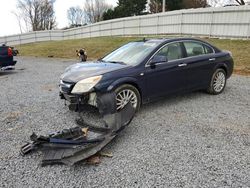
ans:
x=76 y=144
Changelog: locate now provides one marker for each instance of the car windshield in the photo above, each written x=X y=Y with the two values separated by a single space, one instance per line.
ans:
x=131 y=53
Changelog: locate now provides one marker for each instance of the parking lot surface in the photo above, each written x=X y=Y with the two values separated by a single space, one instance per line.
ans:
x=192 y=140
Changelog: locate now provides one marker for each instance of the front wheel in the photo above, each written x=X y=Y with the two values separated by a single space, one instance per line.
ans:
x=127 y=93
x=218 y=82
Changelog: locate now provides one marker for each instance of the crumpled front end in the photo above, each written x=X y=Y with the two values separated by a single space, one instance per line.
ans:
x=76 y=101
x=76 y=144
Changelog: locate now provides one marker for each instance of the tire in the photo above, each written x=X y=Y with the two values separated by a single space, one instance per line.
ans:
x=218 y=82
x=121 y=99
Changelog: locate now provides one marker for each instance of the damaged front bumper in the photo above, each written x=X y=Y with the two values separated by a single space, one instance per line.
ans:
x=77 y=101
x=76 y=144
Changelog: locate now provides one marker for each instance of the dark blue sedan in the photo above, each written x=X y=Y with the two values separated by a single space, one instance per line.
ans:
x=142 y=71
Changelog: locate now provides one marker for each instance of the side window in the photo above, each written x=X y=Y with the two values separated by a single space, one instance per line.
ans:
x=194 y=48
x=208 y=50
x=172 y=51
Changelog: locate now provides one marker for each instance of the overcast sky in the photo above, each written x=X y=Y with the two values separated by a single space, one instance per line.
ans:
x=9 y=24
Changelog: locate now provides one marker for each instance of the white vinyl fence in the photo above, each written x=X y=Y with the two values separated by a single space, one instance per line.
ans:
x=224 y=22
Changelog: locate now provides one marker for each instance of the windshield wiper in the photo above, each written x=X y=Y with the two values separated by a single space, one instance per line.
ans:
x=101 y=60
x=119 y=62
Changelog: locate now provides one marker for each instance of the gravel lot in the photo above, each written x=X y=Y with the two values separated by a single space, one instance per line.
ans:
x=193 y=140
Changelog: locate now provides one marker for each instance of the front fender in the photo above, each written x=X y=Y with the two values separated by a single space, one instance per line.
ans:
x=121 y=81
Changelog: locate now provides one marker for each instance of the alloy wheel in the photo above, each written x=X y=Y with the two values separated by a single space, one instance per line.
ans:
x=219 y=81
x=124 y=97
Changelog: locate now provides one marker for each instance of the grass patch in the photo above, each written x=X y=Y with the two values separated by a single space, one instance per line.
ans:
x=240 y=50
x=98 y=47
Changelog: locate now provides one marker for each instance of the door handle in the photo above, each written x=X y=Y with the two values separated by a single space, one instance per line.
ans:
x=211 y=59
x=182 y=65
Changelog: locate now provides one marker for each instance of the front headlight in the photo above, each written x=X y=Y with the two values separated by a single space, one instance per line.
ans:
x=86 y=85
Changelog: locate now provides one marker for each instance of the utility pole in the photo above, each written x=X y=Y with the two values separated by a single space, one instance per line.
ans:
x=163 y=6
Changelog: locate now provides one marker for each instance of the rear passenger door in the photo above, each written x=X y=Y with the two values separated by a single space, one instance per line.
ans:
x=200 y=62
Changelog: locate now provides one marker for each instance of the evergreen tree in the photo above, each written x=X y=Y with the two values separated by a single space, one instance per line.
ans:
x=131 y=7
x=126 y=8
x=156 y=5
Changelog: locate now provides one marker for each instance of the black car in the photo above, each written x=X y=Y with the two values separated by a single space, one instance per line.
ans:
x=6 y=57
x=142 y=71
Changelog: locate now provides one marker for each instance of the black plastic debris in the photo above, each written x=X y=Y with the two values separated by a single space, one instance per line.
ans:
x=76 y=144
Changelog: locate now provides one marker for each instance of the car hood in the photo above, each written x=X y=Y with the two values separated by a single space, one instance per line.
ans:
x=79 y=71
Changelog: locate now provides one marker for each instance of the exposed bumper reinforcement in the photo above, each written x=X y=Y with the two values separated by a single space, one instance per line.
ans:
x=76 y=144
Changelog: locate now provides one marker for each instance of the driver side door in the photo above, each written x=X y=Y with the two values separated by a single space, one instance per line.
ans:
x=169 y=76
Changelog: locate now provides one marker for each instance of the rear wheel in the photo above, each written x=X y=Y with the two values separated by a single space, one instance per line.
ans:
x=127 y=93
x=218 y=82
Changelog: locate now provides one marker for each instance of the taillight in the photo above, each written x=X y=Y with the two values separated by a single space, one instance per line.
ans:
x=10 y=52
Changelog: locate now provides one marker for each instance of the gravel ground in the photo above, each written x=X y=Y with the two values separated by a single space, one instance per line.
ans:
x=193 y=140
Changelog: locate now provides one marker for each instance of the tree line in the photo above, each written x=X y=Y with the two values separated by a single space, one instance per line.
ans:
x=39 y=15
x=127 y=8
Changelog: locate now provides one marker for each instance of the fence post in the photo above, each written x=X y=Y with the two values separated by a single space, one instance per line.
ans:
x=19 y=36
x=211 y=24
x=181 y=22
x=111 y=28
x=123 y=24
x=139 y=25
x=5 y=39
x=157 y=26
x=89 y=31
x=99 y=32
x=248 y=30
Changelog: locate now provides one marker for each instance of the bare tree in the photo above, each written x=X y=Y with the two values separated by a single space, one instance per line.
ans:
x=19 y=20
x=155 y=6
x=241 y=2
x=215 y=3
x=38 y=14
x=94 y=9
x=76 y=16
x=23 y=21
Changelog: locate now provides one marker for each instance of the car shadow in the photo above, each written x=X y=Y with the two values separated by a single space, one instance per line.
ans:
x=171 y=100
x=5 y=73
x=146 y=108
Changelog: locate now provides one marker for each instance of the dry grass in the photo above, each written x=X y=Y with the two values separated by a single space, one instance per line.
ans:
x=240 y=50
x=98 y=47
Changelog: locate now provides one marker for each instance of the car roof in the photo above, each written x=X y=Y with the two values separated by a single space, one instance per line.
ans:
x=165 y=40
x=162 y=41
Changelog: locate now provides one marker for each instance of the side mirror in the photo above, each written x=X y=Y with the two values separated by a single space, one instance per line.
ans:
x=158 y=59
